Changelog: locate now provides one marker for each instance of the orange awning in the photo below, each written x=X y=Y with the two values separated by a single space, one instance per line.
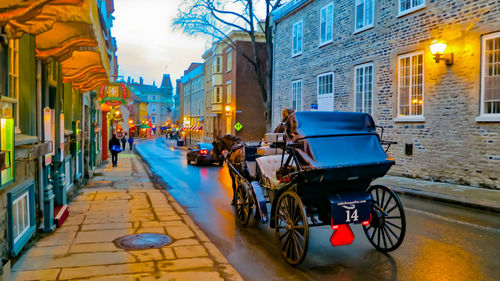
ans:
x=66 y=30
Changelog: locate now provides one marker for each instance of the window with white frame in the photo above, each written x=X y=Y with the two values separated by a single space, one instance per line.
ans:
x=363 y=79
x=490 y=75
x=297 y=38
x=363 y=14
x=326 y=25
x=411 y=84
x=229 y=61
x=297 y=95
x=20 y=216
x=229 y=92
x=408 y=6
x=218 y=64
x=153 y=108
x=325 y=84
x=14 y=75
x=217 y=95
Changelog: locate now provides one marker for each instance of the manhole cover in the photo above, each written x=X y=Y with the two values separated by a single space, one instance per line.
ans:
x=142 y=241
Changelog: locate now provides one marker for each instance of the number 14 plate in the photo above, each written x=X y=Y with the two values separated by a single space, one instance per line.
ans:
x=350 y=207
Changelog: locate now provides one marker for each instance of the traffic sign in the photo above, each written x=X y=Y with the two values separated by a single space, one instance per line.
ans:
x=238 y=126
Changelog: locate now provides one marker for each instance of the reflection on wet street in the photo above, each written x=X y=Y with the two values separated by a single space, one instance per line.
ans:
x=442 y=242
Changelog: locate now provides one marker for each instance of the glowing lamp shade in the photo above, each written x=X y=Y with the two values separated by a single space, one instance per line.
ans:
x=438 y=47
x=228 y=108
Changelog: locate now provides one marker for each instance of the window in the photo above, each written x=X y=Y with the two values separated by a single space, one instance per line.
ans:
x=153 y=119
x=153 y=97
x=217 y=96
x=363 y=15
x=411 y=85
x=326 y=25
x=21 y=215
x=229 y=61
x=229 y=92
x=297 y=39
x=490 y=76
x=325 y=84
x=297 y=95
x=153 y=108
x=408 y=6
x=363 y=78
x=218 y=64
x=14 y=75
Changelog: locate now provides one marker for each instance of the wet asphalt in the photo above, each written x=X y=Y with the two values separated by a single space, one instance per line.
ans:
x=443 y=242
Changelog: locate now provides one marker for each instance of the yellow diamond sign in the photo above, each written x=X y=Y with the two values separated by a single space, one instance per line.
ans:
x=238 y=126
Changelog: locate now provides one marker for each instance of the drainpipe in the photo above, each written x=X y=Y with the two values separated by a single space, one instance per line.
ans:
x=39 y=128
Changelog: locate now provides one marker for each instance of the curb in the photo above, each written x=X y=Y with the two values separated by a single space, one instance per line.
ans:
x=228 y=272
x=444 y=198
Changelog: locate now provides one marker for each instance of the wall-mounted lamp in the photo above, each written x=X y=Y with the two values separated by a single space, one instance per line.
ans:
x=438 y=47
x=228 y=108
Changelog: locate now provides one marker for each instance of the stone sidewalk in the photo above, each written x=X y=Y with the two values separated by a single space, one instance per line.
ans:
x=472 y=197
x=120 y=202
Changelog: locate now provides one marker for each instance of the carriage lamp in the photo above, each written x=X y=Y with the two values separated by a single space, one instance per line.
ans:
x=438 y=47
x=228 y=108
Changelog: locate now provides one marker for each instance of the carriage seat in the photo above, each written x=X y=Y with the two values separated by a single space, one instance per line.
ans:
x=268 y=166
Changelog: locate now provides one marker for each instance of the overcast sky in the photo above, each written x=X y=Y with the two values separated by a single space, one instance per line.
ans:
x=147 y=45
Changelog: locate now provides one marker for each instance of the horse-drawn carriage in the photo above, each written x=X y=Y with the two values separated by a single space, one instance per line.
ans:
x=319 y=173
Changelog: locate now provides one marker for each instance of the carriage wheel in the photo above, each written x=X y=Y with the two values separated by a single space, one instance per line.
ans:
x=292 y=229
x=388 y=225
x=242 y=206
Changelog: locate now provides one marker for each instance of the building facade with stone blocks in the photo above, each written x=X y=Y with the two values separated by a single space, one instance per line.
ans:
x=51 y=121
x=232 y=92
x=374 y=56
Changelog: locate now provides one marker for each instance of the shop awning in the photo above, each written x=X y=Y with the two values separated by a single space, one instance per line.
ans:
x=67 y=30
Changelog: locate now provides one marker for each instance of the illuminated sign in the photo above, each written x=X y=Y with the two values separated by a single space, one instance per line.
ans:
x=113 y=94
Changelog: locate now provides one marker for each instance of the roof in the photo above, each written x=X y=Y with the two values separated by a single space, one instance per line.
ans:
x=310 y=124
x=287 y=8
x=193 y=66
x=166 y=82
x=192 y=73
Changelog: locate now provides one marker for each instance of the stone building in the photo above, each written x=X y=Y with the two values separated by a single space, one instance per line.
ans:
x=375 y=57
x=232 y=94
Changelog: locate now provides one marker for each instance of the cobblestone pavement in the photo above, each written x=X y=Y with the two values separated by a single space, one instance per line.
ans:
x=120 y=202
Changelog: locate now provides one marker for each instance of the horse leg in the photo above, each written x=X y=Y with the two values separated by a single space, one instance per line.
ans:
x=233 y=180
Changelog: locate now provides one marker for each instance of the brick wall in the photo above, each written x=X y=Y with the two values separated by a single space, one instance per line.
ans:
x=449 y=145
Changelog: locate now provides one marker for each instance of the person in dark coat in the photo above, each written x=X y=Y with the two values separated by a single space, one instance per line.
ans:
x=114 y=147
x=130 y=142
x=124 y=142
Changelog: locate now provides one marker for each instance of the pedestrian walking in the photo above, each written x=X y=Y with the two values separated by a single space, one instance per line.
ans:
x=130 y=142
x=124 y=142
x=114 y=146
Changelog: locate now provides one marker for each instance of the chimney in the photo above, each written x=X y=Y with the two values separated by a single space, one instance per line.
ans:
x=128 y=80
x=154 y=83
x=141 y=81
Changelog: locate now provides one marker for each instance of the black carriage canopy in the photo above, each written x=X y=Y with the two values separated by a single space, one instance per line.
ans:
x=338 y=140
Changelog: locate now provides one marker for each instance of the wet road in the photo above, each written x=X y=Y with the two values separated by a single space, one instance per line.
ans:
x=442 y=242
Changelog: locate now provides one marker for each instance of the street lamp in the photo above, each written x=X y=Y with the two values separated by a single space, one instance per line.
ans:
x=228 y=108
x=438 y=47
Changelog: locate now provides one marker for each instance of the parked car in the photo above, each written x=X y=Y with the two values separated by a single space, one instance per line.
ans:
x=201 y=153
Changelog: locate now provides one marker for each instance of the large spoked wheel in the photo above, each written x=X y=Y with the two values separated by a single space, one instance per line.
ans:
x=242 y=206
x=387 y=228
x=292 y=229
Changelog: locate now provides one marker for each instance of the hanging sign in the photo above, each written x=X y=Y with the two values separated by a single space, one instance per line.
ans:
x=114 y=94
x=47 y=132
x=61 y=136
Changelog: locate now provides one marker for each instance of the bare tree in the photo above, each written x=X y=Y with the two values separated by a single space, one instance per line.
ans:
x=217 y=18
